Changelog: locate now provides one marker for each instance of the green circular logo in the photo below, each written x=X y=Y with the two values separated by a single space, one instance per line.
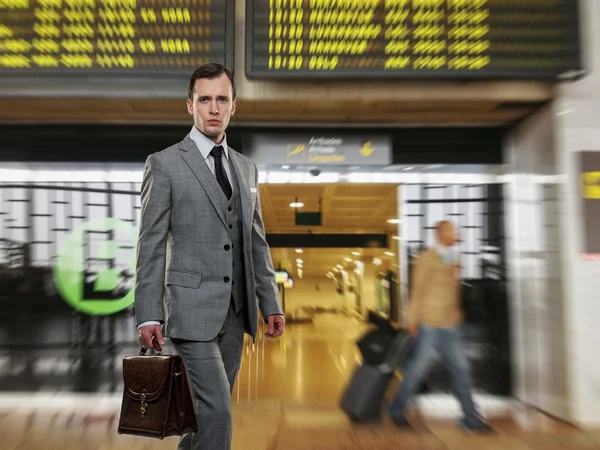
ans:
x=95 y=266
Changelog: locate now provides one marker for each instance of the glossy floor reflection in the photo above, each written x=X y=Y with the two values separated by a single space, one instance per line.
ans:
x=285 y=399
x=310 y=362
x=88 y=423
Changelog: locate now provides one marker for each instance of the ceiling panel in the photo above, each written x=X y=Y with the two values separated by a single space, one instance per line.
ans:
x=346 y=209
x=168 y=111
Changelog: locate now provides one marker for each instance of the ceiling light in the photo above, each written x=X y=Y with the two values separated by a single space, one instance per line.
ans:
x=377 y=261
x=356 y=253
x=299 y=261
x=285 y=167
x=394 y=221
x=388 y=253
x=339 y=266
x=296 y=205
x=299 y=250
x=348 y=259
x=408 y=168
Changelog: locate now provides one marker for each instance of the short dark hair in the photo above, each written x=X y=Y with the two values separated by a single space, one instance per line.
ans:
x=210 y=71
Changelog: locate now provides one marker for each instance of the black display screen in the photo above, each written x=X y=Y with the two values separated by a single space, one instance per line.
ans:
x=456 y=39
x=114 y=36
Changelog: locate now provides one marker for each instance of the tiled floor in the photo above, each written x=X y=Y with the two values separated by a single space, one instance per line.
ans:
x=278 y=426
x=286 y=399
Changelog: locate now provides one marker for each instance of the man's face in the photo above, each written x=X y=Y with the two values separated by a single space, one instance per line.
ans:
x=212 y=106
x=447 y=235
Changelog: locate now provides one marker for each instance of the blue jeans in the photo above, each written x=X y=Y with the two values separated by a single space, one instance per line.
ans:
x=447 y=342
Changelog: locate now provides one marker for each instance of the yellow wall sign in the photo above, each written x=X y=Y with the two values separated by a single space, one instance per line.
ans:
x=591 y=185
x=589 y=176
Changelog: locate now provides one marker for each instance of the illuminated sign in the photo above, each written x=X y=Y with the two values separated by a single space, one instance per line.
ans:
x=281 y=276
x=536 y=39
x=95 y=266
x=326 y=149
x=589 y=176
x=114 y=35
x=591 y=185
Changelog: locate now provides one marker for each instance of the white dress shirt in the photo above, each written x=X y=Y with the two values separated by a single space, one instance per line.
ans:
x=449 y=254
x=205 y=145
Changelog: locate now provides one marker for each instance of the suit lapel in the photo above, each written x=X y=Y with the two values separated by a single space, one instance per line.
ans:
x=195 y=161
x=242 y=182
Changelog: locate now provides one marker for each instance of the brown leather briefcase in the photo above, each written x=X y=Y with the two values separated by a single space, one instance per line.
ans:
x=157 y=400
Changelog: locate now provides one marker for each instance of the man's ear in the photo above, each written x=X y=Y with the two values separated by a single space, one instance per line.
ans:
x=233 y=107
x=190 y=107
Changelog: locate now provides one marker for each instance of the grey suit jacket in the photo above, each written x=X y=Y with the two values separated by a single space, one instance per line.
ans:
x=181 y=264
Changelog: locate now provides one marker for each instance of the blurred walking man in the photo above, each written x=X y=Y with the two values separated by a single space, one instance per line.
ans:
x=434 y=316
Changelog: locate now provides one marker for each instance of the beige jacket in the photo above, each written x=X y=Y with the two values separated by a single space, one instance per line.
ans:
x=435 y=292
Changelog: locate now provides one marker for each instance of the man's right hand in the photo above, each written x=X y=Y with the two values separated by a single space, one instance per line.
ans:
x=148 y=335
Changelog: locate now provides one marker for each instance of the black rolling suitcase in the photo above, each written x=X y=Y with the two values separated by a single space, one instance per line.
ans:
x=364 y=394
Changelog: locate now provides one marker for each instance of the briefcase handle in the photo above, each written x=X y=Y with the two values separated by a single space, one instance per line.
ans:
x=157 y=347
x=143 y=351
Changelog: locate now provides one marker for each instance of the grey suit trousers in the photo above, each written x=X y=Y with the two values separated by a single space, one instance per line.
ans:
x=212 y=369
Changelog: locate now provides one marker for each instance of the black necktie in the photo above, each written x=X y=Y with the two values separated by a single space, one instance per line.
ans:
x=217 y=153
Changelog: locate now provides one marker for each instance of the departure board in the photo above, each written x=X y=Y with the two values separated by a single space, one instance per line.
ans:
x=114 y=36
x=469 y=39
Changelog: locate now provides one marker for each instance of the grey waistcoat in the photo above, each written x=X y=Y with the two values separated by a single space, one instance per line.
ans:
x=233 y=214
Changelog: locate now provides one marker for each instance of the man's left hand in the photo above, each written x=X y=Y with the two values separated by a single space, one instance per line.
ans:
x=276 y=324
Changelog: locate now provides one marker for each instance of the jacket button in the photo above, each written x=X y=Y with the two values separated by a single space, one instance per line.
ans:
x=229 y=208
x=226 y=279
x=230 y=227
x=226 y=247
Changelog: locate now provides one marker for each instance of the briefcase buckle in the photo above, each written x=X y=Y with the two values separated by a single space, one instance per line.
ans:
x=143 y=404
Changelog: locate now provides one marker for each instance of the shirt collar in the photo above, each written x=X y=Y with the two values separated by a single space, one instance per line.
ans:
x=446 y=253
x=205 y=145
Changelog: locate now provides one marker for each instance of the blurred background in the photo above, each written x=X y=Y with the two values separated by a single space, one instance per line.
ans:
x=369 y=121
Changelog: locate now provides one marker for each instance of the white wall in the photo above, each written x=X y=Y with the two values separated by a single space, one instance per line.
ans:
x=312 y=291
x=577 y=117
x=321 y=292
x=556 y=294
x=538 y=331
x=369 y=289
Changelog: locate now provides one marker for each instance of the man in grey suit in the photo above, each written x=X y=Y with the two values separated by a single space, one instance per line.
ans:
x=203 y=264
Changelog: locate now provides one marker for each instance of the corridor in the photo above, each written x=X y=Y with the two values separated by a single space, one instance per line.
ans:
x=286 y=399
